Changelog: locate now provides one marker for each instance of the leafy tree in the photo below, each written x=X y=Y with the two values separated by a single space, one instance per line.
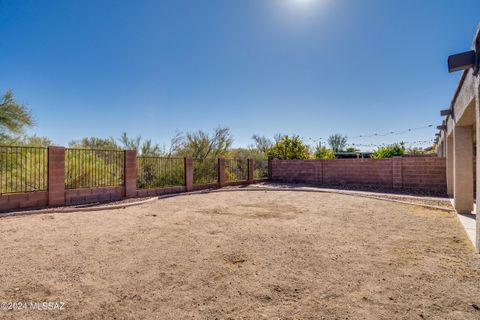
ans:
x=144 y=148
x=130 y=143
x=202 y=145
x=175 y=144
x=95 y=143
x=14 y=117
x=289 y=149
x=262 y=143
x=36 y=141
x=244 y=153
x=278 y=136
x=337 y=142
x=419 y=151
x=394 y=150
x=150 y=149
x=324 y=153
x=24 y=140
x=23 y=164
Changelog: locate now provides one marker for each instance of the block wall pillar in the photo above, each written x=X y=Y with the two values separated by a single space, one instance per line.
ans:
x=450 y=155
x=397 y=172
x=221 y=172
x=130 y=173
x=188 y=174
x=463 y=168
x=56 y=176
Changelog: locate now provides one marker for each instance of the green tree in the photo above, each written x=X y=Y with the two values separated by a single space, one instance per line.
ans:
x=95 y=143
x=201 y=145
x=394 y=150
x=337 y=142
x=289 y=149
x=262 y=143
x=324 y=153
x=143 y=147
x=14 y=117
x=244 y=153
x=36 y=141
x=130 y=143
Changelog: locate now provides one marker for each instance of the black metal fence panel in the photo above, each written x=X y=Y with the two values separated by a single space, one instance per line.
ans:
x=260 y=169
x=236 y=169
x=93 y=168
x=205 y=171
x=23 y=169
x=156 y=172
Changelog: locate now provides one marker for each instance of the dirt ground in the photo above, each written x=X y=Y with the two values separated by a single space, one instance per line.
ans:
x=242 y=255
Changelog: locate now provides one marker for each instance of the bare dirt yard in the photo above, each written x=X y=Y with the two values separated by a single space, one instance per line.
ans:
x=242 y=255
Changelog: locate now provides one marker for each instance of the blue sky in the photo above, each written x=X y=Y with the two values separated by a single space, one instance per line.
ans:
x=307 y=67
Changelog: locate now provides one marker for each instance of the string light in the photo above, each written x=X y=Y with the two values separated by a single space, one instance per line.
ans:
x=417 y=143
x=391 y=132
x=384 y=134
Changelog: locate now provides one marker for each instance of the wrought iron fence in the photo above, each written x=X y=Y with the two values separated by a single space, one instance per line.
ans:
x=205 y=171
x=260 y=169
x=92 y=168
x=23 y=169
x=155 y=172
x=236 y=169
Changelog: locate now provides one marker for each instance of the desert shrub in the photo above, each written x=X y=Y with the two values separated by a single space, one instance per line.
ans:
x=324 y=153
x=289 y=149
x=394 y=150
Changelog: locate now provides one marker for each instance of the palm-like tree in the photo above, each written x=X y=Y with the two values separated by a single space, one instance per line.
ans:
x=337 y=142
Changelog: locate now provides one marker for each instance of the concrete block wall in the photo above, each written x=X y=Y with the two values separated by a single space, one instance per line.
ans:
x=358 y=171
x=416 y=173
x=424 y=173
x=297 y=171
x=90 y=195
x=19 y=201
x=159 y=191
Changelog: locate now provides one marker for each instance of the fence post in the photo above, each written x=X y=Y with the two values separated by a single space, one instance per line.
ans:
x=56 y=176
x=221 y=172
x=188 y=173
x=250 y=170
x=130 y=174
x=270 y=159
x=397 y=182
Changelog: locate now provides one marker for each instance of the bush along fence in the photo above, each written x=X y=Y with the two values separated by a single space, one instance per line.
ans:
x=32 y=177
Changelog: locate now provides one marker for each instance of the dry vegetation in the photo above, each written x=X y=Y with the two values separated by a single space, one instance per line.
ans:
x=243 y=255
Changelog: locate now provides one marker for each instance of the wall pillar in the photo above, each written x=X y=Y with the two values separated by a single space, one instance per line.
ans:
x=477 y=120
x=440 y=149
x=449 y=155
x=250 y=170
x=463 y=168
x=188 y=174
x=130 y=174
x=221 y=172
x=56 y=176
x=270 y=166
x=397 y=172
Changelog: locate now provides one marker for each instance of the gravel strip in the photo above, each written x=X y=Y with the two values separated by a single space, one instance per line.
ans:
x=109 y=203
x=419 y=198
